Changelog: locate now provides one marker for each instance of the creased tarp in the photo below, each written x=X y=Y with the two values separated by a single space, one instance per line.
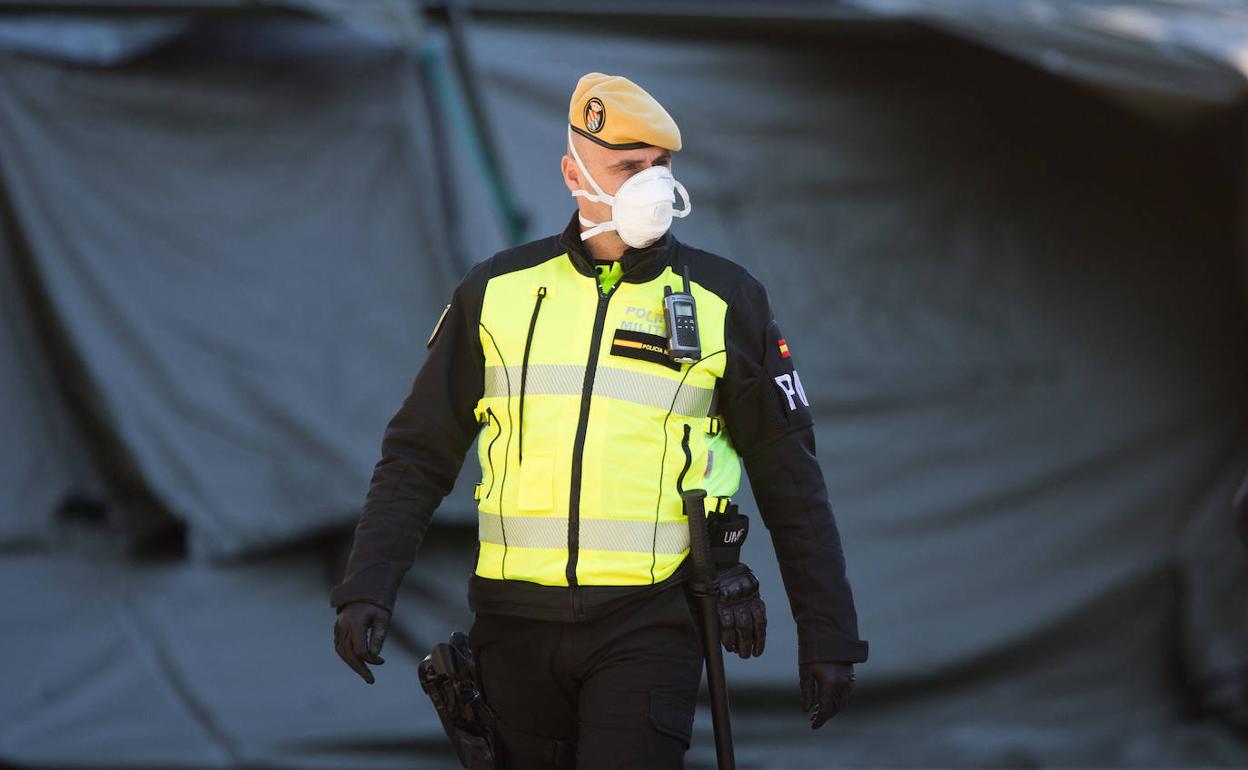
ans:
x=88 y=40
x=174 y=664
x=45 y=463
x=394 y=22
x=1183 y=52
x=1214 y=582
x=115 y=33
x=1194 y=51
x=1241 y=509
x=244 y=255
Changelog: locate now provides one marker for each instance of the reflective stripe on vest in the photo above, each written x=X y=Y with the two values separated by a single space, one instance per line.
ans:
x=636 y=387
x=596 y=534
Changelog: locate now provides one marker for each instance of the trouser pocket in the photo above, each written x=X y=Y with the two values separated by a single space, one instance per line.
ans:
x=672 y=715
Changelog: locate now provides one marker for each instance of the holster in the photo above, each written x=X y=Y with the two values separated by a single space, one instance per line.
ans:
x=448 y=675
x=727 y=531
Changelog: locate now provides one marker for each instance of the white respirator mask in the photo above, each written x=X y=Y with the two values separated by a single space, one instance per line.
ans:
x=641 y=210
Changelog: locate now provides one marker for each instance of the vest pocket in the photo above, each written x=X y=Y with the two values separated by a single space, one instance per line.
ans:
x=537 y=482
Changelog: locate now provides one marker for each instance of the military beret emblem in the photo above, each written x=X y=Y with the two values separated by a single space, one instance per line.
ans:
x=595 y=115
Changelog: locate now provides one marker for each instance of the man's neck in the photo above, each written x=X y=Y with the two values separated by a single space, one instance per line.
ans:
x=605 y=252
x=605 y=246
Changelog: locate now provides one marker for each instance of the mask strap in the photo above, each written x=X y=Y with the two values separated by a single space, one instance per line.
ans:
x=688 y=203
x=601 y=197
x=595 y=228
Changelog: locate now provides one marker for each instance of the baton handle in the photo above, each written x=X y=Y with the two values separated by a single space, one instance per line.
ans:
x=706 y=597
x=694 y=503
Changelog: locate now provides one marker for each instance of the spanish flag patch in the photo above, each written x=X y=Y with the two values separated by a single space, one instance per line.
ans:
x=784 y=347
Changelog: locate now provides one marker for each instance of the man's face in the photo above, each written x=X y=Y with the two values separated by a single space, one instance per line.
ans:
x=610 y=169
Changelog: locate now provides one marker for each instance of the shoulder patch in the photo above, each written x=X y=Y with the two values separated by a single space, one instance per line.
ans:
x=438 y=326
x=779 y=364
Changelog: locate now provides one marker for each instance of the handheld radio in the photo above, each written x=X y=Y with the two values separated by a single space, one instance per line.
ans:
x=681 y=314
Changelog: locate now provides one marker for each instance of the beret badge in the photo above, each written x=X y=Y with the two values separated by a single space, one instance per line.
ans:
x=595 y=115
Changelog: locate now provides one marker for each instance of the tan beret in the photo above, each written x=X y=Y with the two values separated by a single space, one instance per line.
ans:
x=617 y=113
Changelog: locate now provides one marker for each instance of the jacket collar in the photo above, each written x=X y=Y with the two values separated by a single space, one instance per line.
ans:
x=638 y=265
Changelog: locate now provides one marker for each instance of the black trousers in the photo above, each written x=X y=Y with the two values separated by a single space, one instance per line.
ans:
x=615 y=692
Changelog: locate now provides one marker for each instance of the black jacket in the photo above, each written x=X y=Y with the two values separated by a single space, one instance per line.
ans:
x=770 y=424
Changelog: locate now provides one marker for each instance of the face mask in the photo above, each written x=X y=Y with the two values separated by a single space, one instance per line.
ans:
x=641 y=210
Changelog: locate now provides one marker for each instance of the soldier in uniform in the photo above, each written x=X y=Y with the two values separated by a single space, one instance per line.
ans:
x=554 y=357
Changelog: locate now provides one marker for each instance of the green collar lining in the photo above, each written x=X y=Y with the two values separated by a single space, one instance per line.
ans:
x=609 y=273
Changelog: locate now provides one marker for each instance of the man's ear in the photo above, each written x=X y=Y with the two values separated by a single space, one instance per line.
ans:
x=571 y=174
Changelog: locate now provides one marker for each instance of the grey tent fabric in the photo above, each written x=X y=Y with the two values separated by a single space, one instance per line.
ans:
x=1214 y=582
x=1241 y=509
x=47 y=463
x=1174 y=63
x=89 y=40
x=388 y=22
x=1015 y=308
x=251 y=354
x=103 y=35
x=197 y=665
x=1189 y=51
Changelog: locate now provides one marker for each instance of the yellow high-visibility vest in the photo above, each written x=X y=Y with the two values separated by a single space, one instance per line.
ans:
x=582 y=488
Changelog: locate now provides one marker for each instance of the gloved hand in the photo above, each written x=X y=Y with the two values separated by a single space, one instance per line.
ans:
x=825 y=689
x=742 y=614
x=359 y=632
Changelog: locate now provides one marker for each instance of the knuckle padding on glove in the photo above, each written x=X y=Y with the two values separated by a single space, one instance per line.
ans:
x=742 y=615
x=760 y=623
x=727 y=628
x=743 y=622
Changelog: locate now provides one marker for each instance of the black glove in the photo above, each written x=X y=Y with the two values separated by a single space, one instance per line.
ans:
x=742 y=614
x=825 y=689
x=359 y=633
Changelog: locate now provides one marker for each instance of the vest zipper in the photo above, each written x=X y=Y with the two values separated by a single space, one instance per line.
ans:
x=524 y=367
x=489 y=450
x=578 y=446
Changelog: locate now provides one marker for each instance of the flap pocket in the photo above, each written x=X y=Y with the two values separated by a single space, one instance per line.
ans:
x=537 y=482
x=672 y=715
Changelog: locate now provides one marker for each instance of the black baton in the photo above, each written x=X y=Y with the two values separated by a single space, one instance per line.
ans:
x=706 y=596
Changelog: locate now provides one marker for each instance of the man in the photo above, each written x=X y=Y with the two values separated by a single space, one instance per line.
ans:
x=554 y=356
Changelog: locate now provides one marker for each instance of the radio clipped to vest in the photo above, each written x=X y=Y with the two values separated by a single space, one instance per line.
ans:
x=681 y=314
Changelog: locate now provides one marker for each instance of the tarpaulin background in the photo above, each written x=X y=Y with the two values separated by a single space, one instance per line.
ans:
x=1017 y=308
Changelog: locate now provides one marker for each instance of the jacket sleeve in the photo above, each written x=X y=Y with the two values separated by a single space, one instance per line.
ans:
x=768 y=418
x=422 y=451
